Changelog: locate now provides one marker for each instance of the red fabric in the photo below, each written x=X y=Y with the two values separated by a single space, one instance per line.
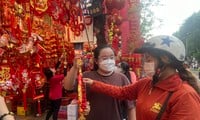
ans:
x=56 y=87
x=133 y=77
x=184 y=104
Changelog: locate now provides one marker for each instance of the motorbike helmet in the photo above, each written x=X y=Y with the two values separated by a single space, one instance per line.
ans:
x=170 y=44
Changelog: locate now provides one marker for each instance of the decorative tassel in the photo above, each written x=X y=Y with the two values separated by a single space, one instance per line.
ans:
x=81 y=93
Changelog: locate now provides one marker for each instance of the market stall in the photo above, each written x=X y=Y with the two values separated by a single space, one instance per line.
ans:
x=34 y=34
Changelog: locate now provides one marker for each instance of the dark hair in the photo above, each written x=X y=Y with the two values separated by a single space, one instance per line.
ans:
x=96 y=53
x=126 y=68
x=48 y=73
x=185 y=75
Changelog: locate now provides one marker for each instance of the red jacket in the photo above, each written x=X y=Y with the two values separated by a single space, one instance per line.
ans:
x=55 y=91
x=184 y=103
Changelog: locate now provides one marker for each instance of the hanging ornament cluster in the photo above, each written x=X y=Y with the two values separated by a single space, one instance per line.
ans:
x=114 y=21
x=22 y=38
x=134 y=20
x=82 y=101
x=31 y=37
x=114 y=4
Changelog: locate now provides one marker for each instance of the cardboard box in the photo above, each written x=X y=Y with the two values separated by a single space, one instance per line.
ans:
x=21 y=111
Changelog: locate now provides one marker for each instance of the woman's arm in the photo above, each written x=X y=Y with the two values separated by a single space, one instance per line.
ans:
x=128 y=92
x=132 y=114
x=69 y=80
x=4 y=110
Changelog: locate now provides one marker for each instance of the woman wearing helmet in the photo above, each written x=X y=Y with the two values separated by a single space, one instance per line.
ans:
x=171 y=94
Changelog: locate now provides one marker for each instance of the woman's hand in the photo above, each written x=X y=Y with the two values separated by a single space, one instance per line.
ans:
x=88 y=81
x=77 y=63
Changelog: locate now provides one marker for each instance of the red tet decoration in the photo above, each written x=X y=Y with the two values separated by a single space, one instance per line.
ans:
x=38 y=6
x=117 y=4
x=73 y=1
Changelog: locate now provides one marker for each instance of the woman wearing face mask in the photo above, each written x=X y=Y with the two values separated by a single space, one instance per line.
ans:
x=102 y=107
x=171 y=94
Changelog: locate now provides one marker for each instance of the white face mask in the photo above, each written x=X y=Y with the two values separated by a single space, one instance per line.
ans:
x=149 y=68
x=107 y=65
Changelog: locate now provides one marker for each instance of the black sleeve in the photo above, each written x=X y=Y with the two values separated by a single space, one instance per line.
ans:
x=57 y=65
x=65 y=71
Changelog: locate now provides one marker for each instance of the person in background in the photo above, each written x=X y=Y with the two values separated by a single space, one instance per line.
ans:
x=124 y=68
x=4 y=112
x=56 y=85
x=171 y=94
x=102 y=107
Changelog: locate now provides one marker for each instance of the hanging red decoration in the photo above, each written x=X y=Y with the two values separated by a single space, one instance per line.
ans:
x=54 y=9
x=117 y=30
x=38 y=78
x=5 y=72
x=109 y=5
x=74 y=11
x=64 y=16
x=73 y=1
x=77 y=33
x=39 y=6
x=117 y=19
x=81 y=26
x=119 y=4
x=73 y=29
x=21 y=1
x=82 y=100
